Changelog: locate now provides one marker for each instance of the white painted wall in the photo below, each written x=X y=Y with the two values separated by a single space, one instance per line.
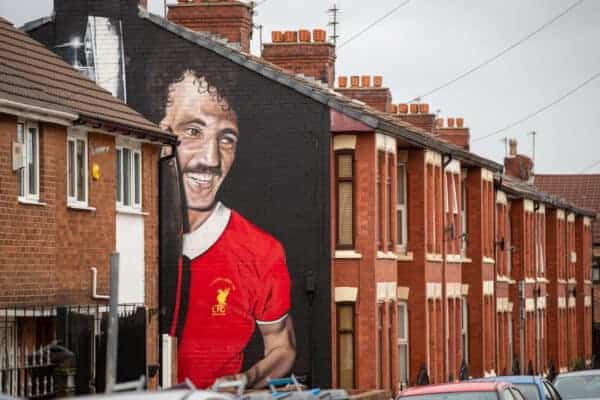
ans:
x=130 y=245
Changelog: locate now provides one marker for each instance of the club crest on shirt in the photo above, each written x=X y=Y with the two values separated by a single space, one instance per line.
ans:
x=219 y=309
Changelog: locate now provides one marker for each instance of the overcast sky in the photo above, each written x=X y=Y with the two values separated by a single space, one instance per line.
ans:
x=429 y=42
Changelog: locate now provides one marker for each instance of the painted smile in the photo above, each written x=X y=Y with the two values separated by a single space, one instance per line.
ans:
x=200 y=181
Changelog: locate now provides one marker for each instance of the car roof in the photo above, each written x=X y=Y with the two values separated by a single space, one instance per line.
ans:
x=514 y=379
x=454 y=388
x=588 y=372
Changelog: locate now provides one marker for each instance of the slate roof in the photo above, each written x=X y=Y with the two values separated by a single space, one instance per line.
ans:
x=34 y=77
x=582 y=190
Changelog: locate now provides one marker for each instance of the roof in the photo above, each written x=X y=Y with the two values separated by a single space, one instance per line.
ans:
x=453 y=388
x=587 y=372
x=33 y=79
x=519 y=188
x=322 y=93
x=582 y=190
x=514 y=379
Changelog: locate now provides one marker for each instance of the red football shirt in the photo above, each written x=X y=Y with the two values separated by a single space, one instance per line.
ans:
x=239 y=278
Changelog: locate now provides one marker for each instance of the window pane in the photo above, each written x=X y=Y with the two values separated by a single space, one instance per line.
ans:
x=346 y=357
x=403 y=363
x=81 y=178
x=136 y=177
x=71 y=168
x=32 y=163
x=126 y=177
x=400 y=226
x=345 y=213
x=401 y=184
x=401 y=322
x=345 y=166
x=119 y=172
x=346 y=317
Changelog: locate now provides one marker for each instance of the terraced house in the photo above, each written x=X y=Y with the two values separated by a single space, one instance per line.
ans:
x=78 y=181
x=411 y=258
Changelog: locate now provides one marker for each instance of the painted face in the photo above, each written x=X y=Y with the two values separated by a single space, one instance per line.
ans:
x=208 y=133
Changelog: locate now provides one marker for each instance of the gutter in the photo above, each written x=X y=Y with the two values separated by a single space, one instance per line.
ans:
x=37 y=112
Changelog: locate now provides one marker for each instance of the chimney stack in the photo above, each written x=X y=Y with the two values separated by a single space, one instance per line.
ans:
x=518 y=165
x=416 y=114
x=368 y=89
x=298 y=53
x=453 y=132
x=231 y=19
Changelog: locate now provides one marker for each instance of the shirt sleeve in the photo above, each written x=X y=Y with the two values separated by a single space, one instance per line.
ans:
x=273 y=294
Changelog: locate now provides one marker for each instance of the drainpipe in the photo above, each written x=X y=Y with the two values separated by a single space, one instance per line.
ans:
x=95 y=294
x=536 y=287
x=446 y=160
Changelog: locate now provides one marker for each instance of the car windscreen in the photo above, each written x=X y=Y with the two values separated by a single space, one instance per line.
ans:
x=455 y=396
x=529 y=390
x=578 y=387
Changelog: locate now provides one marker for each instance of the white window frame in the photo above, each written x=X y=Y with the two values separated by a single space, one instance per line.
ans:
x=464 y=328
x=401 y=208
x=403 y=341
x=463 y=213
x=75 y=135
x=134 y=148
x=25 y=173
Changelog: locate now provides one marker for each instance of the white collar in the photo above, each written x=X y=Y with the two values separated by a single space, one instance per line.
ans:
x=199 y=241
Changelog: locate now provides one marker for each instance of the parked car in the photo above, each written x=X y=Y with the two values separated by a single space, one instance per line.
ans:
x=464 y=391
x=532 y=387
x=579 y=384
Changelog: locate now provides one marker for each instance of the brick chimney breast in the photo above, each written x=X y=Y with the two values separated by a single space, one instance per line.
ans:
x=231 y=19
x=453 y=132
x=314 y=58
x=518 y=165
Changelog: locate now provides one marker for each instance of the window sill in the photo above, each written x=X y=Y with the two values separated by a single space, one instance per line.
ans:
x=434 y=257
x=30 y=202
x=406 y=256
x=347 y=255
x=453 y=258
x=386 y=256
x=466 y=260
x=542 y=280
x=80 y=207
x=530 y=280
x=488 y=260
x=130 y=211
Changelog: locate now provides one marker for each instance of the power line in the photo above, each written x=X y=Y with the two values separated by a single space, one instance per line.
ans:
x=378 y=20
x=501 y=53
x=541 y=109
x=590 y=167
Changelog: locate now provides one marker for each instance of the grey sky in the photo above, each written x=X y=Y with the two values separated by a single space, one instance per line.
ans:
x=429 y=42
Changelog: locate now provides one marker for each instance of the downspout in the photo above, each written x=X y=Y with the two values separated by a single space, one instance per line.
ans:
x=495 y=311
x=446 y=160
x=536 y=207
x=95 y=294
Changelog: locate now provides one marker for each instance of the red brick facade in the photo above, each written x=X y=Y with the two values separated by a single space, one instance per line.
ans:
x=47 y=247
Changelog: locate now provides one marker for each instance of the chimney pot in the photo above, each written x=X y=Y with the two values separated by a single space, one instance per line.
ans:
x=304 y=35
x=460 y=122
x=512 y=147
x=414 y=108
x=277 y=36
x=290 y=36
x=378 y=81
x=365 y=81
x=403 y=108
x=342 y=81
x=424 y=108
x=450 y=122
x=354 y=81
x=393 y=108
x=439 y=123
x=319 y=35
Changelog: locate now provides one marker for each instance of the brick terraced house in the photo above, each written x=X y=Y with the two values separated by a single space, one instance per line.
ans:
x=425 y=262
x=79 y=181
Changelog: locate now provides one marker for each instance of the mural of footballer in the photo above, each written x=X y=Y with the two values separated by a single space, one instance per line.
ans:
x=232 y=276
